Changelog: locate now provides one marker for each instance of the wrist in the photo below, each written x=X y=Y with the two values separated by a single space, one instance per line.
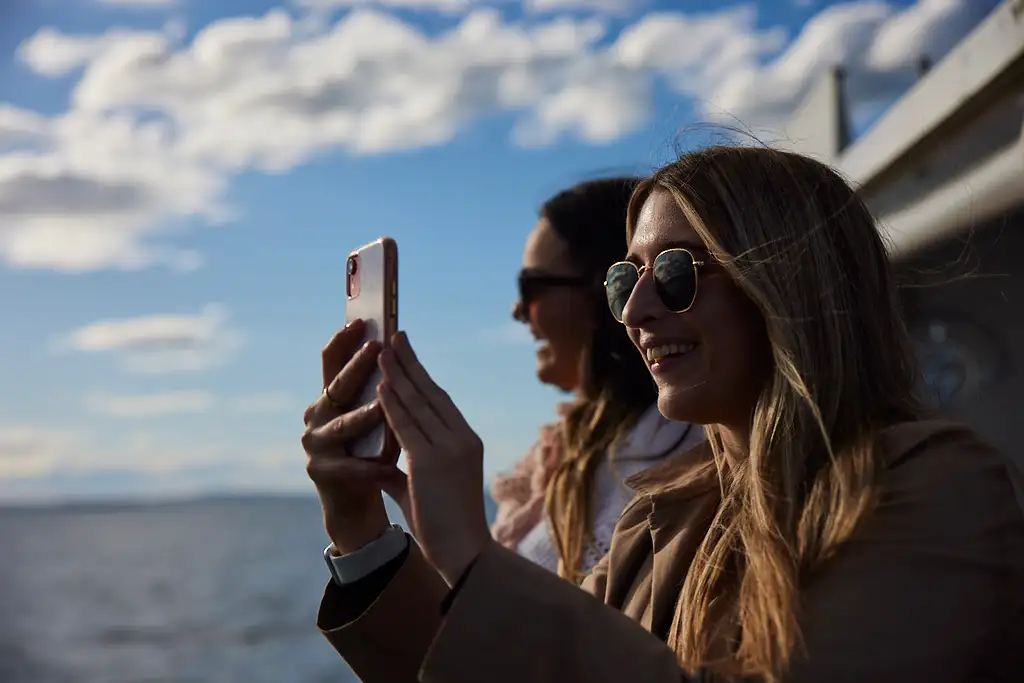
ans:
x=349 y=534
x=461 y=561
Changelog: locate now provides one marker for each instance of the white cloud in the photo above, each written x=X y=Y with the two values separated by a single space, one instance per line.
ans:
x=39 y=464
x=19 y=126
x=877 y=44
x=158 y=126
x=167 y=343
x=150 y=405
x=27 y=451
x=448 y=6
x=610 y=6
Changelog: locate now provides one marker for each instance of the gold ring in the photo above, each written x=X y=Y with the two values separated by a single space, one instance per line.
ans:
x=331 y=401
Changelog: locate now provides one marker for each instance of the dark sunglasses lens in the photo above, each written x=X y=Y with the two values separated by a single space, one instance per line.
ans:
x=619 y=284
x=527 y=290
x=675 y=278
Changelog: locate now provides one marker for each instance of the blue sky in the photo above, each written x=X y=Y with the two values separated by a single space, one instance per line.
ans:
x=180 y=182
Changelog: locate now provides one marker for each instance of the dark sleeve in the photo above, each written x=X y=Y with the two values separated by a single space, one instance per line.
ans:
x=383 y=625
x=446 y=604
x=928 y=589
x=350 y=601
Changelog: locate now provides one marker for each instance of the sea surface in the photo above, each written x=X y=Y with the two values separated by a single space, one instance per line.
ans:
x=211 y=591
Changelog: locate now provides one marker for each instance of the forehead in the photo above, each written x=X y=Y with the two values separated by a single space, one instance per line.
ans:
x=661 y=225
x=545 y=249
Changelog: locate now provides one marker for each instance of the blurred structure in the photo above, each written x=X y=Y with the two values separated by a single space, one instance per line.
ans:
x=943 y=170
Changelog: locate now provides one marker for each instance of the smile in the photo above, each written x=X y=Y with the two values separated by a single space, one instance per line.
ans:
x=656 y=353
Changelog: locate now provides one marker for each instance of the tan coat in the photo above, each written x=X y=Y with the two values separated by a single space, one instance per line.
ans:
x=930 y=590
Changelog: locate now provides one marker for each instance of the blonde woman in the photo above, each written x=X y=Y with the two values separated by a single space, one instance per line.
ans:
x=828 y=531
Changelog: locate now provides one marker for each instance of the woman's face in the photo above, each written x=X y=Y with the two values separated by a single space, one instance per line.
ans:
x=560 y=317
x=718 y=379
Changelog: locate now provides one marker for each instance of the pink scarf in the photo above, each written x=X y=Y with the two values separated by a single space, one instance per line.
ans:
x=520 y=494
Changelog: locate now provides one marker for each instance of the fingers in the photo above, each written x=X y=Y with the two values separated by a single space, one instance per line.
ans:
x=340 y=349
x=345 y=387
x=324 y=471
x=335 y=434
x=414 y=402
x=418 y=377
x=408 y=432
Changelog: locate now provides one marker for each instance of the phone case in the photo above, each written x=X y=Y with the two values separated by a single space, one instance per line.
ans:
x=372 y=294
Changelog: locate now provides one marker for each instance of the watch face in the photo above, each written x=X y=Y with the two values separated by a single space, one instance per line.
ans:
x=958 y=359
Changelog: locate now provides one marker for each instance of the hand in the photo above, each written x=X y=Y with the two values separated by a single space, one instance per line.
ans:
x=349 y=488
x=443 y=496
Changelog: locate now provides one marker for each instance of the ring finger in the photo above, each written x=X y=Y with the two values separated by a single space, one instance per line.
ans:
x=344 y=388
x=335 y=434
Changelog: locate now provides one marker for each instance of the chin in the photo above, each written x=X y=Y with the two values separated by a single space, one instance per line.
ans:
x=548 y=374
x=683 y=406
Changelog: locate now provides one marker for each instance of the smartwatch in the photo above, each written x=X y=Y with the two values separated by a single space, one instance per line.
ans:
x=348 y=568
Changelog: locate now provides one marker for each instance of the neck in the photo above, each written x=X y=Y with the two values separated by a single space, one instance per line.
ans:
x=735 y=441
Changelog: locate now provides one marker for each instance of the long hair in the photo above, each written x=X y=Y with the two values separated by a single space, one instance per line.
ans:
x=804 y=248
x=615 y=386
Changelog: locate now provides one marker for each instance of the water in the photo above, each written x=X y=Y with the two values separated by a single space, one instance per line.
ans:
x=201 y=592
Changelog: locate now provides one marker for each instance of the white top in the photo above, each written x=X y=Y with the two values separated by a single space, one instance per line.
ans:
x=651 y=440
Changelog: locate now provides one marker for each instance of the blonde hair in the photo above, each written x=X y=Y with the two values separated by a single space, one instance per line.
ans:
x=804 y=248
x=590 y=430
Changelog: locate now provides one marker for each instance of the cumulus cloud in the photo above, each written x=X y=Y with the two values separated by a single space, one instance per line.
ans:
x=610 y=6
x=158 y=125
x=877 y=44
x=166 y=343
x=448 y=6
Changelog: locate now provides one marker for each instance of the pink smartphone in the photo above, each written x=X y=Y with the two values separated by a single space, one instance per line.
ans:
x=371 y=293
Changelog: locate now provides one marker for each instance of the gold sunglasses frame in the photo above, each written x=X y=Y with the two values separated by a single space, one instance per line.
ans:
x=640 y=270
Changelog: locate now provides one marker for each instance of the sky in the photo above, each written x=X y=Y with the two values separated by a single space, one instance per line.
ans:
x=181 y=182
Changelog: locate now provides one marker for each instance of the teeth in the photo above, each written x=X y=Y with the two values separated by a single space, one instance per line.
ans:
x=658 y=352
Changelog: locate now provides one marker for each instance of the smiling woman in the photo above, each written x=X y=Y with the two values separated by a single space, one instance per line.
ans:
x=829 y=530
x=559 y=506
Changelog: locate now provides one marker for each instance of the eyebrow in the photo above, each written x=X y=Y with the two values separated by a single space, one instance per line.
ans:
x=691 y=245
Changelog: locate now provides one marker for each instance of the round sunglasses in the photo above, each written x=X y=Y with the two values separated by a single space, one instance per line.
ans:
x=675 y=281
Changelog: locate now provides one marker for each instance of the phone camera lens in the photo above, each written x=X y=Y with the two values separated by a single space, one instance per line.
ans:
x=352 y=266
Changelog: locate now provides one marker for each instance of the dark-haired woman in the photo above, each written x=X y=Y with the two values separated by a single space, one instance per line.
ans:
x=559 y=506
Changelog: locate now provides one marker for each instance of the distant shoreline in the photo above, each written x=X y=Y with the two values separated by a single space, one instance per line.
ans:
x=112 y=504
x=119 y=503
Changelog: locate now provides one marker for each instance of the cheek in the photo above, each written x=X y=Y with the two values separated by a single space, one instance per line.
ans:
x=562 y=319
x=738 y=350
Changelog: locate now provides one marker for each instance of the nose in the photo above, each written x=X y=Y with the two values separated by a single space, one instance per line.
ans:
x=519 y=312
x=643 y=305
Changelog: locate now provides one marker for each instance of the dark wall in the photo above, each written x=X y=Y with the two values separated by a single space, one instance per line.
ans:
x=965 y=304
